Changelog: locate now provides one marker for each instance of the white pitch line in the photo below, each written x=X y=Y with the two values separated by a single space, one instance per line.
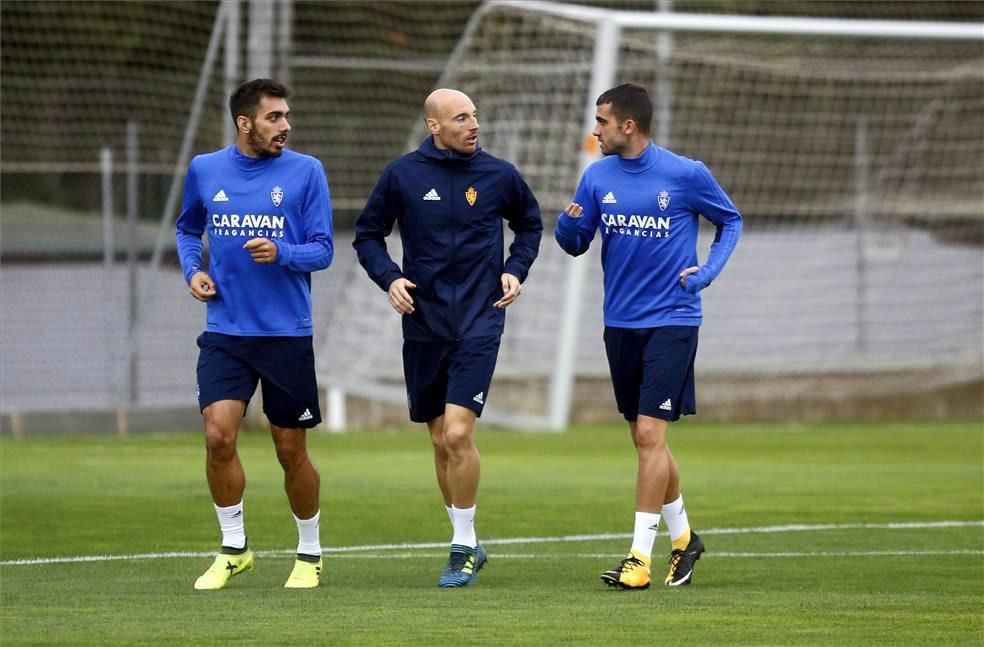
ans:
x=340 y=551
x=867 y=553
x=442 y=555
x=80 y=559
x=707 y=531
x=861 y=553
x=900 y=525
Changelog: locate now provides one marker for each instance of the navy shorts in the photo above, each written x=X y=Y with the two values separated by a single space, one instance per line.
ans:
x=229 y=368
x=448 y=372
x=653 y=370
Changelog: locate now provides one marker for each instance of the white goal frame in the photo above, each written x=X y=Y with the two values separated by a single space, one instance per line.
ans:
x=608 y=26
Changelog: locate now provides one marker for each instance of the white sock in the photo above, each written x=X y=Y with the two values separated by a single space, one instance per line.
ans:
x=646 y=524
x=232 y=525
x=450 y=516
x=676 y=518
x=309 y=535
x=464 y=526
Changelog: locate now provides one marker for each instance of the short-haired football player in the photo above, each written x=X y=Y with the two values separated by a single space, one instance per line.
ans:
x=646 y=202
x=267 y=214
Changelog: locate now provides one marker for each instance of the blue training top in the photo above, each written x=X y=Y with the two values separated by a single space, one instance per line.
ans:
x=647 y=209
x=236 y=198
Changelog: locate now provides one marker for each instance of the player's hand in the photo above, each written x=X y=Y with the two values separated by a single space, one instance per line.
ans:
x=262 y=250
x=574 y=210
x=399 y=295
x=695 y=283
x=511 y=289
x=201 y=286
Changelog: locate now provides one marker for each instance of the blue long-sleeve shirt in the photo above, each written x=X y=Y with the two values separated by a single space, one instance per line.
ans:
x=647 y=209
x=236 y=198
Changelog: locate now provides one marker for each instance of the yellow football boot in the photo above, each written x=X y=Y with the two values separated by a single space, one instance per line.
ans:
x=222 y=569
x=682 y=562
x=631 y=573
x=306 y=575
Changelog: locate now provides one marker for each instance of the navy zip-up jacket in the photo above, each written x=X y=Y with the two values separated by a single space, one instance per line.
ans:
x=450 y=209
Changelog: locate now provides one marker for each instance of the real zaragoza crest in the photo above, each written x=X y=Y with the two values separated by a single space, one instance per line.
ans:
x=277 y=195
x=664 y=200
x=471 y=195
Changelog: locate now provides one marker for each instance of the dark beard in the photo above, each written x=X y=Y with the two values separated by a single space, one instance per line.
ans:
x=260 y=146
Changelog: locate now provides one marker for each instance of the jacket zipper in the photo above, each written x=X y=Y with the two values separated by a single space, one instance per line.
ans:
x=455 y=330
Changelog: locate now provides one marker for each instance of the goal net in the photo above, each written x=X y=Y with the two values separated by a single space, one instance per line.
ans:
x=852 y=148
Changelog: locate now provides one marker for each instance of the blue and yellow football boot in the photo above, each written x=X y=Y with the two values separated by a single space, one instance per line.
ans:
x=463 y=566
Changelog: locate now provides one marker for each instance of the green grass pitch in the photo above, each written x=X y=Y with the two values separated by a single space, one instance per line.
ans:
x=838 y=534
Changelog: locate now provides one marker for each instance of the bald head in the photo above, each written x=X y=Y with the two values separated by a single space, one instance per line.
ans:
x=452 y=119
x=440 y=99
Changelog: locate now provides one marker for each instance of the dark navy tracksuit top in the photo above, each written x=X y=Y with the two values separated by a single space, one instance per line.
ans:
x=450 y=209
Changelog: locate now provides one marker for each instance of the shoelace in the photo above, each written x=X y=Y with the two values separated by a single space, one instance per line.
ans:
x=457 y=561
x=674 y=559
x=629 y=563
